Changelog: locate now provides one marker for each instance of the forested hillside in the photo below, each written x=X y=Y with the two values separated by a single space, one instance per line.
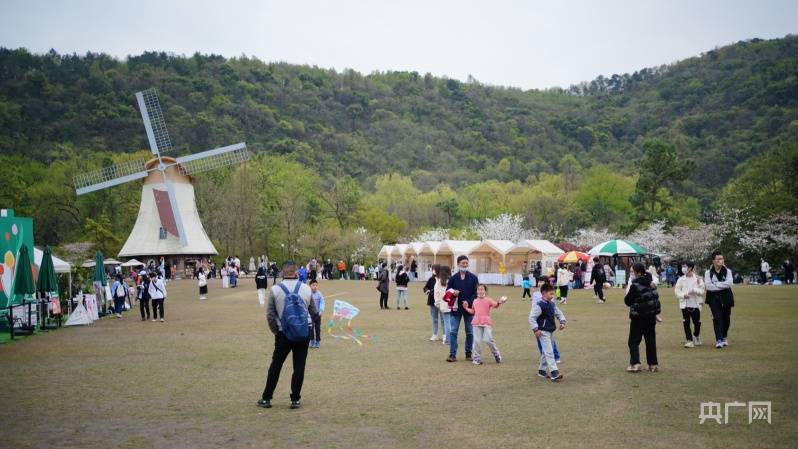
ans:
x=404 y=151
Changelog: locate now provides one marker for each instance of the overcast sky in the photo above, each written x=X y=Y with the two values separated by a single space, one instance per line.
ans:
x=528 y=44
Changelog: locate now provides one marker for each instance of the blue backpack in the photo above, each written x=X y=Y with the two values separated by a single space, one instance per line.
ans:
x=294 y=320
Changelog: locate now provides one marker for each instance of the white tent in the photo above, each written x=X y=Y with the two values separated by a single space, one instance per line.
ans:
x=133 y=263
x=547 y=252
x=60 y=266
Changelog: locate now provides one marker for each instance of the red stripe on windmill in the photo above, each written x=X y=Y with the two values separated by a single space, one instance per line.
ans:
x=168 y=221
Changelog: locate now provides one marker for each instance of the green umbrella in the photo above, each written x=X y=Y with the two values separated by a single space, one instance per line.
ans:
x=46 y=282
x=617 y=247
x=23 y=278
x=99 y=269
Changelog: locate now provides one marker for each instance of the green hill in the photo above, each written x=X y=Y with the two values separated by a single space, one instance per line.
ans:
x=64 y=113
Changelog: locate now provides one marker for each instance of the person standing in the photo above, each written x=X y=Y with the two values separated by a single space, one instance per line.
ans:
x=564 y=277
x=341 y=270
x=318 y=300
x=598 y=278
x=789 y=272
x=429 y=289
x=202 y=282
x=383 y=280
x=119 y=291
x=157 y=290
x=764 y=272
x=542 y=321
x=314 y=269
x=414 y=269
x=689 y=291
x=444 y=273
x=261 y=283
x=464 y=283
x=288 y=311
x=402 y=279
x=718 y=281
x=274 y=271
x=643 y=302
x=144 y=295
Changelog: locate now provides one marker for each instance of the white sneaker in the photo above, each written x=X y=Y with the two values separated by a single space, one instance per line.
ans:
x=697 y=340
x=445 y=342
x=689 y=344
x=161 y=320
x=718 y=344
x=433 y=338
x=725 y=343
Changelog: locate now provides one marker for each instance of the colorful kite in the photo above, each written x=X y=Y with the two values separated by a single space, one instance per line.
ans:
x=342 y=310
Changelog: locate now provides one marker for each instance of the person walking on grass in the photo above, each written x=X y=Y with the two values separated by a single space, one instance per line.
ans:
x=598 y=278
x=689 y=291
x=538 y=296
x=261 y=284
x=202 y=282
x=318 y=300
x=157 y=290
x=289 y=308
x=718 y=281
x=383 y=280
x=144 y=295
x=643 y=302
x=542 y=321
x=119 y=290
x=435 y=313
x=564 y=277
x=402 y=279
x=439 y=289
x=483 y=324
x=527 y=286
x=764 y=272
x=464 y=284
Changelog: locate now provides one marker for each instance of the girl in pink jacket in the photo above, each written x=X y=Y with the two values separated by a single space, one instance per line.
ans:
x=483 y=324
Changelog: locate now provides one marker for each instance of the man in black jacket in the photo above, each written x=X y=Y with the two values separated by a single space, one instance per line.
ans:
x=598 y=278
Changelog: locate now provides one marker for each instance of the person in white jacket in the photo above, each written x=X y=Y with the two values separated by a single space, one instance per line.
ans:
x=564 y=278
x=689 y=291
x=157 y=293
x=718 y=281
x=444 y=273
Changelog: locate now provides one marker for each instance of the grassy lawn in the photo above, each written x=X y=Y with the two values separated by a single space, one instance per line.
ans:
x=193 y=381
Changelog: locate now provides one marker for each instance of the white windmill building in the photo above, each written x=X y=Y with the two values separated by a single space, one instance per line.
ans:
x=168 y=223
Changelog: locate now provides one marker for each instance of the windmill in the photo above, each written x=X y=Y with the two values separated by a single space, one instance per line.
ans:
x=168 y=222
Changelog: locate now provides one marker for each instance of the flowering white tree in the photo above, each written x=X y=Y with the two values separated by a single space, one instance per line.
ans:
x=777 y=232
x=503 y=227
x=654 y=238
x=364 y=244
x=588 y=238
x=692 y=243
x=433 y=235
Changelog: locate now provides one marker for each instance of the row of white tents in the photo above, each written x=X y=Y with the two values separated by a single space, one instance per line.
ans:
x=494 y=261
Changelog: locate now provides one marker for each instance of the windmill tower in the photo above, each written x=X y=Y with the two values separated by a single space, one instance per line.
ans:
x=168 y=223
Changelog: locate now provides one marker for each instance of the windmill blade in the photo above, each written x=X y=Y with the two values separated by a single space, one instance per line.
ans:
x=154 y=123
x=211 y=159
x=166 y=204
x=109 y=176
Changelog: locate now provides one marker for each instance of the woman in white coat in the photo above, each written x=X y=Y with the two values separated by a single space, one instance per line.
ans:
x=690 y=292
x=444 y=273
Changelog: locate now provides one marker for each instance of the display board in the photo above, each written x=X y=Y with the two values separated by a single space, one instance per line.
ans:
x=14 y=232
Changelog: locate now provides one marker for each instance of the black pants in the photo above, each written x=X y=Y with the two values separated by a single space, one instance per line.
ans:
x=563 y=291
x=763 y=277
x=598 y=289
x=526 y=293
x=383 y=300
x=721 y=319
x=119 y=304
x=299 y=350
x=642 y=328
x=689 y=313
x=157 y=304
x=144 y=307
x=316 y=330
x=788 y=277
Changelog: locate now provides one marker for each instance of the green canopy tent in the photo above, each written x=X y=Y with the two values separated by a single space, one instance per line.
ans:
x=24 y=285
x=46 y=285
x=100 y=281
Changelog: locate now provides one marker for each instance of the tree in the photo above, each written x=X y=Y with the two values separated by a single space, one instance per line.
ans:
x=344 y=198
x=502 y=227
x=604 y=194
x=588 y=238
x=433 y=235
x=694 y=244
x=660 y=169
x=653 y=238
x=451 y=208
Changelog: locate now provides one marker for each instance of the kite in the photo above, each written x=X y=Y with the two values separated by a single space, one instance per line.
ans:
x=343 y=311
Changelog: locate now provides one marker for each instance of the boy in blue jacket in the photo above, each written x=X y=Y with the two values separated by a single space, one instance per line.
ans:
x=542 y=321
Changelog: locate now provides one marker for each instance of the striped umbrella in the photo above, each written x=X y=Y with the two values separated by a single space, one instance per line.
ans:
x=617 y=247
x=573 y=257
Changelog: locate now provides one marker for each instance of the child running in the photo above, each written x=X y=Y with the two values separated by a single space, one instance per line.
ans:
x=538 y=297
x=483 y=324
x=527 y=285
x=541 y=319
x=318 y=300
